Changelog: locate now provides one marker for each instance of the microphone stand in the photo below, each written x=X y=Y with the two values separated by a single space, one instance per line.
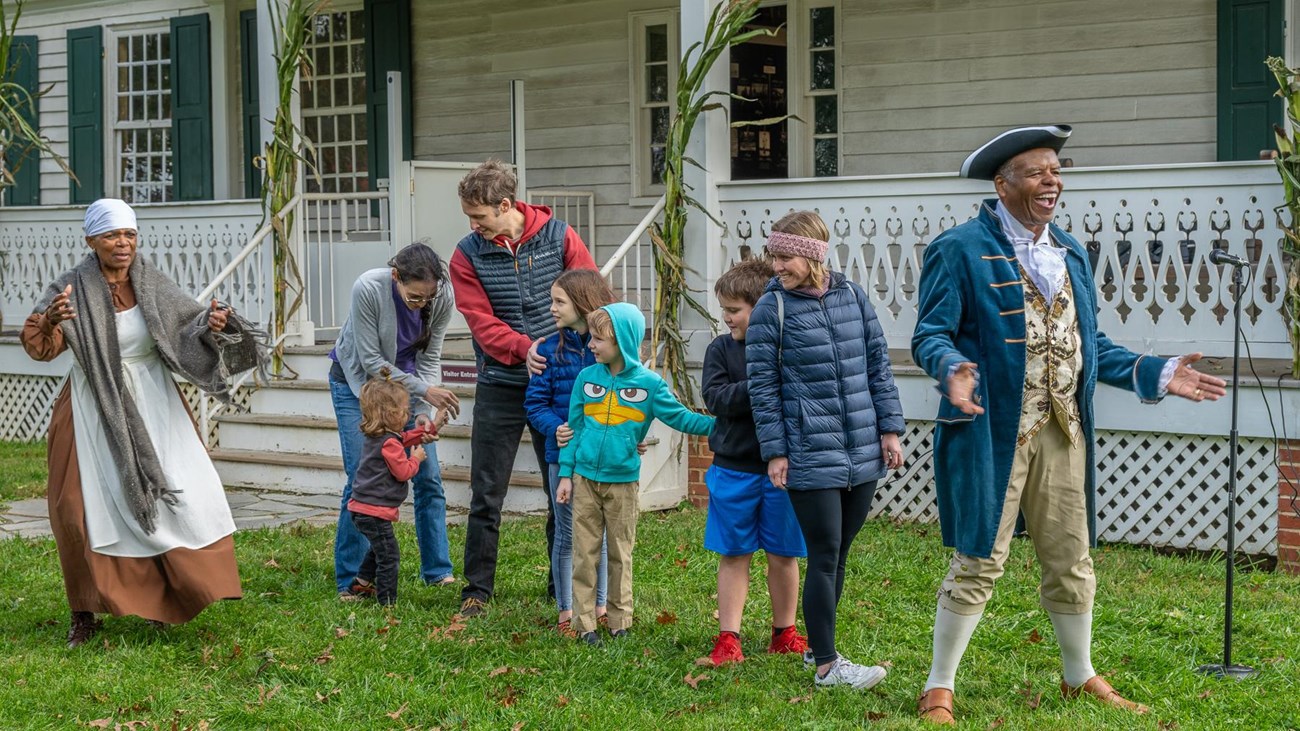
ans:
x=1227 y=669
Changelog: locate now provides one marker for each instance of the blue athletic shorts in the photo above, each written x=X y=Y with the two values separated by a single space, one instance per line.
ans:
x=746 y=513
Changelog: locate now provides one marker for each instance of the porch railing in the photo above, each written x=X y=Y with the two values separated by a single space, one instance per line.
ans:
x=1148 y=230
x=575 y=207
x=630 y=269
x=341 y=235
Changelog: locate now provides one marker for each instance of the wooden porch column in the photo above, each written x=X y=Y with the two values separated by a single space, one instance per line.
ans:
x=710 y=144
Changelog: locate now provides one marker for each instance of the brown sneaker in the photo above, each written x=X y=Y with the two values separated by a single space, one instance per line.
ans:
x=472 y=607
x=1098 y=688
x=935 y=706
x=84 y=626
x=565 y=629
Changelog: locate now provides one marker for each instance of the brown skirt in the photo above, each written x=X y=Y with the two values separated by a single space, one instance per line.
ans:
x=173 y=587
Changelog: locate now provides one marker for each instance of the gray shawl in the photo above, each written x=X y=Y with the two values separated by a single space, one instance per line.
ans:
x=186 y=345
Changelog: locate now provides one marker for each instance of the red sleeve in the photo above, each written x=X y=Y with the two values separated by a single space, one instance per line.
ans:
x=401 y=466
x=576 y=255
x=416 y=436
x=497 y=339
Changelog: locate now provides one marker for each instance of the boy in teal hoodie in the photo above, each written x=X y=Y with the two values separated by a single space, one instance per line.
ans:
x=613 y=404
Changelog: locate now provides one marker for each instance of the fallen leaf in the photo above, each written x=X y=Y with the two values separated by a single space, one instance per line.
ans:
x=647 y=652
x=800 y=698
x=1034 y=638
x=517 y=726
x=271 y=564
x=498 y=671
x=264 y=695
x=517 y=638
x=100 y=723
x=562 y=701
x=681 y=548
x=324 y=697
x=383 y=630
x=1167 y=725
x=666 y=617
x=236 y=651
x=340 y=633
x=325 y=656
x=509 y=697
x=886 y=663
x=715 y=614
x=694 y=680
x=705 y=661
x=886 y=583
x=1034 y=701
x=398 y=713
x=1204 y=694
x=996 y=723
x=681 y=563
x=874 y=716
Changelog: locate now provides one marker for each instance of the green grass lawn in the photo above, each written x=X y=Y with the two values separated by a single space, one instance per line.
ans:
x=22 y=470
x=290 y=656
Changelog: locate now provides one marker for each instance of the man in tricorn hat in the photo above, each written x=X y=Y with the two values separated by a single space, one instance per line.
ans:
x=1007 y=326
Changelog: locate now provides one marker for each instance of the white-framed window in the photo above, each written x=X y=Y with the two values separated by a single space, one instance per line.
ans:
x=823 y=89
x=334 y=103
x=655 y=38
x=139 y=71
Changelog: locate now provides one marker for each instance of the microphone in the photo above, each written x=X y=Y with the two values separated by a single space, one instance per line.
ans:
x=1219 y=256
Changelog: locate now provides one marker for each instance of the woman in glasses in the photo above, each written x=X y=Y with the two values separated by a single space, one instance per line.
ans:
x=398 y=318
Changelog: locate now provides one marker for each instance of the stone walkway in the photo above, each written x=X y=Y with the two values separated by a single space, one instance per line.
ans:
x=252 y=509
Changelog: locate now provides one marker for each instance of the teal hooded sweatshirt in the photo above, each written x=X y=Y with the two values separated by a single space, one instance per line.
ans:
x=610 y=414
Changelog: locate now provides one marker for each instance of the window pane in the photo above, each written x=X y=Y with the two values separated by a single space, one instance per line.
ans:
x=656 y=43
x=656 y=165
x=166 y=106
x=359 y=126
x=358 y=90
x=825 y=117
x=326 y=130
x=321 y=64
x=656 y=83
x=823 y=70
x=137 y=78
x=823 y=27
x=659 y=125
x=341 y=94
x=340 y=26
x=826 y=154
x=137 y=107
x=151 y=47
x=323 y=95
x=123 y=78
x=358 y=59
x=166 y=46
x=137 y=48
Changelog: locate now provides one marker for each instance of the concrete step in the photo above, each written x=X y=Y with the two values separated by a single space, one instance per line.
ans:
x=312 y=361
x=311 y=397
x=314 y=475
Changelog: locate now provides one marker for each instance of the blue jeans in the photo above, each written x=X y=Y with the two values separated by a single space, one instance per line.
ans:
x=350 y=545
x=562 y=552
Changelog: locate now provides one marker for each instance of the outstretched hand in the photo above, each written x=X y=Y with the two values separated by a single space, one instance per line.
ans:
x=1193 y=385
x=961 y=390
x=217 y=314
x=60 y=308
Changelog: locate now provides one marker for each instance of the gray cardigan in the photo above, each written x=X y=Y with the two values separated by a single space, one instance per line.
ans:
x=368 y=340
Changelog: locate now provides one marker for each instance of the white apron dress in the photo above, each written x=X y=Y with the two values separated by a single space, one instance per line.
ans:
x=202 y=515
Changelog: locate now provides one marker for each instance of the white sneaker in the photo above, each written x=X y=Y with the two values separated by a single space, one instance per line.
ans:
x=844 y=672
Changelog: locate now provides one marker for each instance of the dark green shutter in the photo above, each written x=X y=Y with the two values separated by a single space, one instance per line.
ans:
x=86 y=113
x=1249 y=32
x=388 y=48
x=191 y=109
x=251 y=110
x=25 y=165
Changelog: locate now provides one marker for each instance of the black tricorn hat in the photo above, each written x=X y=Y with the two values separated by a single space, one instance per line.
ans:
x=983 y=163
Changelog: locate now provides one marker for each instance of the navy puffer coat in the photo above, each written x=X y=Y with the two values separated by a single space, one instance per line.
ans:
x=833 y=394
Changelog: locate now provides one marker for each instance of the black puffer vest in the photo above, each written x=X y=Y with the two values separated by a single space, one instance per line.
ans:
x=519 y=288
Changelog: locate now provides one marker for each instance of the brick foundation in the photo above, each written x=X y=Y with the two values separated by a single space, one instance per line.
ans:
x=699 y=458
x=1288 y=507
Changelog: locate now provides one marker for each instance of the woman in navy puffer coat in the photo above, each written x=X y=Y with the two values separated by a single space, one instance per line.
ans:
x=828 y=416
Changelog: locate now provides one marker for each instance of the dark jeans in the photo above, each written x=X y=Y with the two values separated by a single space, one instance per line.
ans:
x=380 y=564
x=499 y=420
x=829 y=520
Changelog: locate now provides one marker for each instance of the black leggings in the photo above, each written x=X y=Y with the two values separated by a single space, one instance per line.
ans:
x=829 y=519
x=380 y=564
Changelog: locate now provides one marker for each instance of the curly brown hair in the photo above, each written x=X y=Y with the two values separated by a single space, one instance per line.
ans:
x=385 y=406
x=488 y=184
x=745 y=281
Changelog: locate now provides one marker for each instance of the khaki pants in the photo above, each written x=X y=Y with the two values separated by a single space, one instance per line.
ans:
x=608 y=509
x=1047 y=485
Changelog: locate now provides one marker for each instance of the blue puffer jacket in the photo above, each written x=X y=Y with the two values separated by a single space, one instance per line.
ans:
x=547 y=399
x=826 y=404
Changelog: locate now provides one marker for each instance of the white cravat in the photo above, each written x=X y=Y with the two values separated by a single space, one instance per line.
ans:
x=1043 y=262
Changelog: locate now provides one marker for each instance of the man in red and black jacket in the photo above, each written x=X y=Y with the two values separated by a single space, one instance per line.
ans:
x=502 y=273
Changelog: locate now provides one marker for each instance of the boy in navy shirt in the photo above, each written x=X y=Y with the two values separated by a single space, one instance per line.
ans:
x=746 y=512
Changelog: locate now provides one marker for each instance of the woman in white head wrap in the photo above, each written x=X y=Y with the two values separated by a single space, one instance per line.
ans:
x=136 y=507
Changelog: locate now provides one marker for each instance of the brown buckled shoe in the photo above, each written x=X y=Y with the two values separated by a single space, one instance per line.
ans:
x=1098 y=688
x=935 y=706
x=84 y=626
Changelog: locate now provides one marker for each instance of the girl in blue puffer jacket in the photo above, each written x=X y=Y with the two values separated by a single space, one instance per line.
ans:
x=573 y=296
x=828 y=417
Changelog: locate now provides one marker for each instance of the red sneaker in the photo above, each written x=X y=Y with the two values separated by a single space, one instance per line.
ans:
x=726 y=649
x=788 y=641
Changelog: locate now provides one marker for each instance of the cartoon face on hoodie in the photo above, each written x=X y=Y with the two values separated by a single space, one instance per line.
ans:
x=610 y=414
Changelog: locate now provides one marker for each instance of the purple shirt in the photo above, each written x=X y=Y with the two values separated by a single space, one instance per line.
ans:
x=409 y=327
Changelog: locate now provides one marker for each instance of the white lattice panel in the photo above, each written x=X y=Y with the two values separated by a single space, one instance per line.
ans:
x=1148 y=230
x=1152 y=489
x=25 y=406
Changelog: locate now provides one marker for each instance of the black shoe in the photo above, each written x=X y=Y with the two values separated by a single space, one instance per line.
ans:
x=618 y=634
x=472 y=607
x=84 y=626
x=591 y=638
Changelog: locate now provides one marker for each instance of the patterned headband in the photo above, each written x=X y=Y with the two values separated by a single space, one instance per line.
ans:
x=795 y=245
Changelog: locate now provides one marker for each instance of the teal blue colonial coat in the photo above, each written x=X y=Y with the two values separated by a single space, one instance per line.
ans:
x=971 y=308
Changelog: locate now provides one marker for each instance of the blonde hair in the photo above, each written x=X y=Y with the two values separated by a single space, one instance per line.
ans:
x=385 y=406
x=600 y=324
x=809 y=225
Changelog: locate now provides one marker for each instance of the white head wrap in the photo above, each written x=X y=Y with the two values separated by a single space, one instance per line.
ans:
x=109 y=214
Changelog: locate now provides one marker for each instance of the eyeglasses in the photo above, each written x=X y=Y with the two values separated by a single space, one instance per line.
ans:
x=419 y=300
